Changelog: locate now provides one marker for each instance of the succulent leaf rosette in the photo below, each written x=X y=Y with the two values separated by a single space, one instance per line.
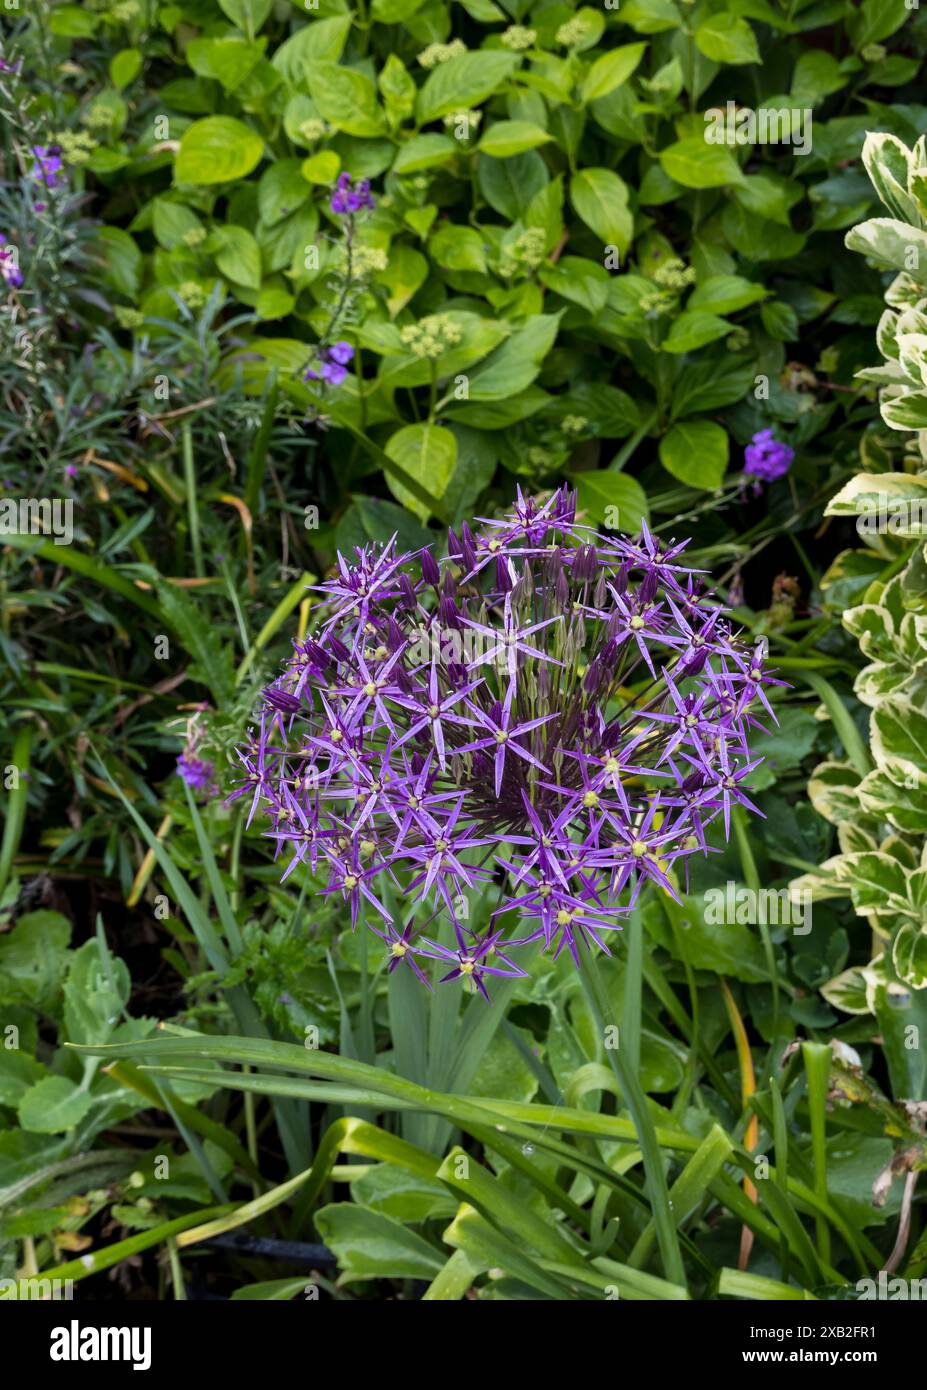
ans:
x=555 y=713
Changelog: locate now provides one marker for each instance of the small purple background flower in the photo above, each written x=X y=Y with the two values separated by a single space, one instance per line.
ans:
x=349 y=197
x=768 y=458
x=333 y=364
x=9 y=269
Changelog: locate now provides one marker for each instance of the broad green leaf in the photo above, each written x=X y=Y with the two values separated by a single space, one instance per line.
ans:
x=457 y=248
x=515 y=364
x=511 y=186
x=369 y=1245
x=890 y=243
x=282 y=190
x=95 y=994
x=727 y=948
x=464 y=82
x=600 y=198
x=611 y=70
x=18 y=1074
x=321 y=41
x=695 y=163
x=247 y=15
x=899 y=740
x=53 y=1105
x=725 y=294
x=217 y=149
x=346 y=98
x=696 y=452
x=726 y=38
x=33 y=960
x=614 y=500
x=424 y=152
x=693 y=329
x=428 y=454
x=173 y=222
x=125 y=66
x=238 y=256
x=505 y=138
x=227 y=60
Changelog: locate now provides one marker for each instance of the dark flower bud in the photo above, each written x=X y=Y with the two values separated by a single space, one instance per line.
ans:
x=648 y=586
x=317 y=655
x=495 y=713
x=611 y=734
x=457 y=674
x=608 y=656
x=562 y=590
x=620 y=582
x=482 y=765
x=430 y=570
x=406 y=592
x=585 y=564
x=594 y=678
x=467 y=550
x=453 y=544
x=394 y=637
x=692 y=661
x=448 y=614
x=337 y=648
x=281 y=700
x=565 y=506
x=503 y=578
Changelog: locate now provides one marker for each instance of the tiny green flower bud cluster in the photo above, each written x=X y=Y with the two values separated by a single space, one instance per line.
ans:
x=455 y=118
x=194 y=237
x=541 y=458
x=573 y=33
x=312 y=129
x=526 y=253
x=129 y=318
x=99 y=116
x=517 y=37
x=364 y=260
x=431 y=336
x=437 y=53
x=192 y=294
x=657 y=302
x=674 y=275
x=574 y=424
x=76 y=146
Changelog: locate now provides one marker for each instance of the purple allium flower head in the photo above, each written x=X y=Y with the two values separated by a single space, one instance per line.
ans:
x=332 y=364
x=349 y=197
x=554 y=715
x=767 y=458
x=9 y=269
